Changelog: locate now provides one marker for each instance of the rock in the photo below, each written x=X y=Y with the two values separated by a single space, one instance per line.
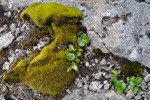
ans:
x=79 y=82
x=6 y=40
x=113 y=96
x=23 y=27
x=105 y=82
x=98 y=75
x=125 y=38
x=106 y=86
x=85 y=86
x=6 y=66
x=143 y=87
x=130 y=94
x=68 y=91
x=107 y=76
x=13 y=27
x=87 y=77
x=137 y=97
x=8 y=14
x=17 y=31
x=103 y=61
x=96 y=61
x=99 y=87
x=94 y=85
x=87 y=64
x=147 y=78
x=4 y=28
x=2 y=97
x=93 y=64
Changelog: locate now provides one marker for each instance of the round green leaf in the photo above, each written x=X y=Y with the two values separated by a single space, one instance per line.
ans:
x=134 y=90
x=124 y=85
x=71 y=48
x=138 y=80
x=74 y=66
x=130 y=87
x=132 y=82
x=112 y=81
x=132 y=77
x=78 y=54
x=119 y=90
x=85 y=39
x=119 y=83
x=115 y=72
x=80 y=43
x=71 y=56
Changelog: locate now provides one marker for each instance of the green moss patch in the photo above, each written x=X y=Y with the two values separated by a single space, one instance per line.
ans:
x=47 y=72
x=131 y=69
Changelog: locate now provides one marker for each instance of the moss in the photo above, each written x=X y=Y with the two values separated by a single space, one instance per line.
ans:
x=20 y=68
x=131 y=69
x=44 y=14
x=7 y=77
x=47 y=72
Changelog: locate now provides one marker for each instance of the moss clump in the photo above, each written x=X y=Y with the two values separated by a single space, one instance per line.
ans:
x=131 y=69
x=43 y=14
x=47 y=72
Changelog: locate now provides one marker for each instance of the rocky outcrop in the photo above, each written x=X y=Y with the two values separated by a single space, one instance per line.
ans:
x=121 y=27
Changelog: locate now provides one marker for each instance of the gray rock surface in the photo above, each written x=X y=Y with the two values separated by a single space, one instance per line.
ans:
x=147 y=78
x=130 y=94
x=80 y=94
x=6 y=40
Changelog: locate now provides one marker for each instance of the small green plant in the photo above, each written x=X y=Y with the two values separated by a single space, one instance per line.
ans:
x=76 y=55
x=83 y=40
x=134 y=84
x=119 y=86
x=73 y=55
x=115 y=73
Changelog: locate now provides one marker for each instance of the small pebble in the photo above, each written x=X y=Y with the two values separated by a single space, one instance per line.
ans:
x=106 y=86
x=93 y=64
x=130 y=94
x=96 y=61
x=137 y=97
x=87 y=64
x=98 y=75
x=147 y=78
x=103 y=61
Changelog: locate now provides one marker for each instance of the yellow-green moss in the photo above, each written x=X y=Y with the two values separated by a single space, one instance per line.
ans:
x=44 y=14
x=21 y=68
x=10 y=77
x=47 y=72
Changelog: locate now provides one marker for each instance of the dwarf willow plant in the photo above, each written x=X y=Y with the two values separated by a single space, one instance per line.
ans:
x=132 y=83
x=76 y=55
x=119 y=86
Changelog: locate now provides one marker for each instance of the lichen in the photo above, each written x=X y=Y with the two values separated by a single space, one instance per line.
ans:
x=131 y=69
x=47 y=72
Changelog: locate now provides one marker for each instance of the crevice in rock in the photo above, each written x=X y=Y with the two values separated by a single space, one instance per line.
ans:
x=148 y=34
x=140 y=0
x=108 y=21
x=125 y=17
